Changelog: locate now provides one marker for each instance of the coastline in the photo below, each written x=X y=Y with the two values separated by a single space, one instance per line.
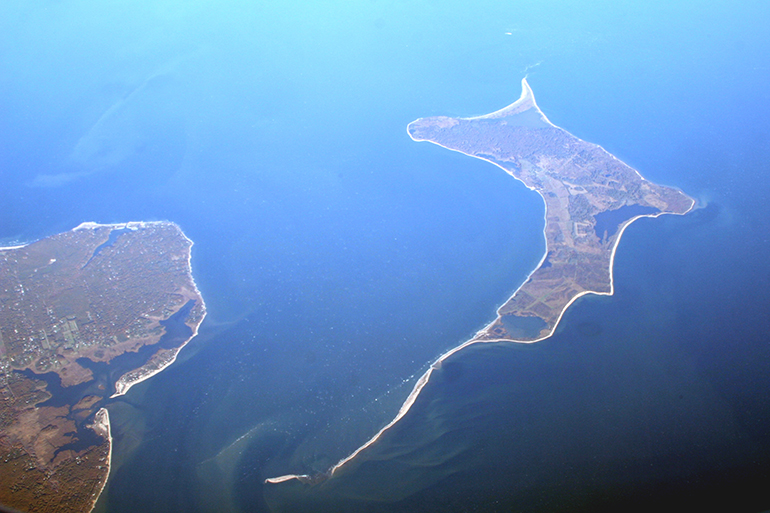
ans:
x=525 y=101
x=105 y=424
x=477 y=339
x=7 y=248
x=621 y=230
x=527 y=97
x=130 y=225
x=162 y=358
x=288 y=477
x=124 y=385
x=102 y=426
x=90 y=225
x=121 y=387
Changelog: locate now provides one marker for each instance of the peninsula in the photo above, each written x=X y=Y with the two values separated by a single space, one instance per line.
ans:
x=590 y=198
x=76 y=309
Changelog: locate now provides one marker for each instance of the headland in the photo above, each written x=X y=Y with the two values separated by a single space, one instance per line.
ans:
x=76 y=308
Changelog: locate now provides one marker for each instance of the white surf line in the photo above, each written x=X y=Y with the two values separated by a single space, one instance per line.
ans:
x=102 y=417
x=425 y=378
x=289 y=477
x=82 y=226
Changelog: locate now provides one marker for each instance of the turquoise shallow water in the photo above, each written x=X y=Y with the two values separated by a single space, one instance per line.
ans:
x=338 y=258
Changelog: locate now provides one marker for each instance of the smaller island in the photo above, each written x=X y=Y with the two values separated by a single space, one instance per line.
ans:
x=75 y=309
x=590 y=198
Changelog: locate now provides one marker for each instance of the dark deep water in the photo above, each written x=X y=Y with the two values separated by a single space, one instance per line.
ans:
x=612 y=413
x=338 y=258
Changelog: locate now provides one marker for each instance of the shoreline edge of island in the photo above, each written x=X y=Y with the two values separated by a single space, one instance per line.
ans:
x=526 y=95
x=103 y=423
x=101 y=420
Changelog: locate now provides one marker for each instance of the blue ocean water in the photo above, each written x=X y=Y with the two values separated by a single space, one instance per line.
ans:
x=338 y=258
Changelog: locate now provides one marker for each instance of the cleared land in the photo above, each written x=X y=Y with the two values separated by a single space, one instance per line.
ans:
x=95 y=292
x=579 y=182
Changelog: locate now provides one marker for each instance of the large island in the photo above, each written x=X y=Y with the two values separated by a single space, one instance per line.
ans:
x=590 y=199
x=77 y=309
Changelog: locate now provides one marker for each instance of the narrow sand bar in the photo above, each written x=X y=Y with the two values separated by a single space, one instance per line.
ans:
x=577 y=181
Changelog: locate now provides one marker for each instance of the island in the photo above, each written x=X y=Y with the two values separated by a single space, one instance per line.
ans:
x=590 y=198
x=76 y=309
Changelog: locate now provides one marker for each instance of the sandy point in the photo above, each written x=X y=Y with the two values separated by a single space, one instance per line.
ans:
x=525 y=102
x=289 y=477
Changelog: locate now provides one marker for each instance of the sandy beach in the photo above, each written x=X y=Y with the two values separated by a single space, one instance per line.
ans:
x=425 y=378
x=188 y=289
x=6 y=248
x=289 y=477
x=102 y=426
x=525 y=102
x=124 y=383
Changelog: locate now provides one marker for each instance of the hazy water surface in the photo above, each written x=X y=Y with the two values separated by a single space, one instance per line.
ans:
x=338 y=258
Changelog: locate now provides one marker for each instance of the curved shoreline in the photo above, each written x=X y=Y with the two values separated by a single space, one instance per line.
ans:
x=6 y=248
x=525 y=102
x=425 y=378
x=527 y=96
x=121 y=388
x=161 y=358
x=125 y=387
x=90 y=225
